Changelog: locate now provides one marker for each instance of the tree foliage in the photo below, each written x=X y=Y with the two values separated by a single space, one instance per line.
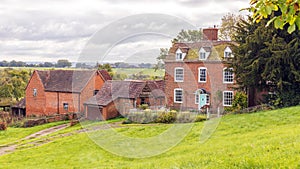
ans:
x=268 y=58
x=62 y=63
x=162 y=55
x=189 y=36
x=227 y=29
x=286 y=13
x=13 y=83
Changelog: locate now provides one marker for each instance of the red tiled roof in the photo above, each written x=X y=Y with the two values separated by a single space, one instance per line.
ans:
x=67 y=80
x=105 y=75
x=112 y=90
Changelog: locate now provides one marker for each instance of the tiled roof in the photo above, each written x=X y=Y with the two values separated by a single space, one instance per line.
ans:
x=214 y=47
x=67 y=80
x=105 y=75
x=112 y=90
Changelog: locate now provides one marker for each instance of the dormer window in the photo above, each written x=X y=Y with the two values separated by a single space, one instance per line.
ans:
x=180 y=55
x=228 y=52
x=204 y=53
x=202 y=56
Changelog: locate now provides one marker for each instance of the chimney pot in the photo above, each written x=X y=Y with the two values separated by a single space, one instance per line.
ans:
x=211 y=33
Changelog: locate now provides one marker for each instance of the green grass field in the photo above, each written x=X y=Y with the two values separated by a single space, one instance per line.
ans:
x=144 y=71
x=259 y=140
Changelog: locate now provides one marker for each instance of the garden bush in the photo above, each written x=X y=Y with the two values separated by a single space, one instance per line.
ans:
x=166 y=117
x=200 y=118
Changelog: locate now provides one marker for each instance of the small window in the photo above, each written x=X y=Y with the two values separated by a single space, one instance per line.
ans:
x=227 y=98
x=228 y=75
x=202 y=55
x=202 y=74
x=34 y=92
x=95 y=92
x=179 y=74
x=178 y=95
x=179 y=56
x=227 y=52
x=66 y=106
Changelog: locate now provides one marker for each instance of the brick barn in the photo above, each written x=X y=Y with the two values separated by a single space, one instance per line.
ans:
x=118 y=97
x=62 y=91
x=197 y=75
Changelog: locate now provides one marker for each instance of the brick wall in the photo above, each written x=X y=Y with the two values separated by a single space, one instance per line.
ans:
x=35 y=105
x=94 y=84
x=214 y=83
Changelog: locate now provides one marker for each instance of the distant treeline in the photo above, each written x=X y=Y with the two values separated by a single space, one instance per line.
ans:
x=65 y=63
x=60 y=64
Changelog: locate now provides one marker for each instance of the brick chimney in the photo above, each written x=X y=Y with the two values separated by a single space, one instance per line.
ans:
x=211 y=33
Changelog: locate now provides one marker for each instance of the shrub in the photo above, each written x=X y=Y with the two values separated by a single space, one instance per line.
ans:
x=200 y=118
x=166 y=117
x=142 y=117
x=144 y=106
x=3 y=126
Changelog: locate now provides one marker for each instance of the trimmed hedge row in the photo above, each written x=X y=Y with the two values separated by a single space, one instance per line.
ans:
x=149 y=116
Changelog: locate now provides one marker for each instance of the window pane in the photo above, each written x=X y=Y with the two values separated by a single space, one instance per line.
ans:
x=179 y=74
x=228 y=76
x=202 y=75
x=178 y=95
x=227 y=98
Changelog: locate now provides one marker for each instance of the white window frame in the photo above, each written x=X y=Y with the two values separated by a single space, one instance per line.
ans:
x=202 y=68
x=178 y=89
x=225 y=104
x=229 y=51
x=201 y=55
x=175 y=74
x=179 y=53
x=225 y=70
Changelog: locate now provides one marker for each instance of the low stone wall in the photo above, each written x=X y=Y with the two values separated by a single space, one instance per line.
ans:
x=50 y=119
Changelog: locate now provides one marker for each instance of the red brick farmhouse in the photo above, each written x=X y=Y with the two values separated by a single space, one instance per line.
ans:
x=62 y=91
x=197 y=75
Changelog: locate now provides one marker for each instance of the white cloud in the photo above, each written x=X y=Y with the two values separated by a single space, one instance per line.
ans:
x=35 y=30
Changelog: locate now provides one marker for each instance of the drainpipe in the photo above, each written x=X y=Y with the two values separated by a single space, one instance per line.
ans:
x=79 y=103
x=57 y=102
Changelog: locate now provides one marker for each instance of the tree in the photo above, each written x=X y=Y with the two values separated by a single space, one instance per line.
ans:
x=162 y=55
x=268 y=58
x=106 y=67
x=281 y=12
x=63 y=63
x=227 y=29
x=189 y=36
x=13 y=83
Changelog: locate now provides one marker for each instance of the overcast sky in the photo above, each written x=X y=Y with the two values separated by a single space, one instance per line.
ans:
x=44 y=30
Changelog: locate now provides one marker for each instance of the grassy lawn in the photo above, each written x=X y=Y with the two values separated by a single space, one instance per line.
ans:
x=260 y=140
x=14 y=134
x=131 y=71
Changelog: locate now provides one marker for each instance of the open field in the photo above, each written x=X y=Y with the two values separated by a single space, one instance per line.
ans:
x=127 y=71
x=143 y=71
x=260 y=140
